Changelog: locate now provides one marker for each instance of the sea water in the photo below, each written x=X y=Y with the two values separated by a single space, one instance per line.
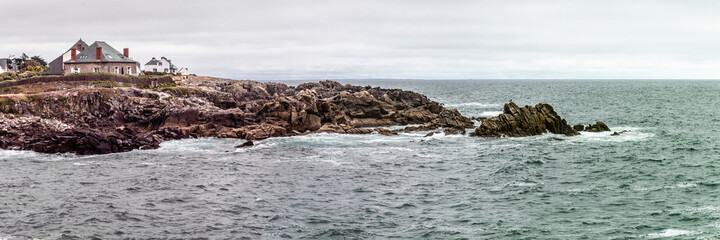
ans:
x=659 y=180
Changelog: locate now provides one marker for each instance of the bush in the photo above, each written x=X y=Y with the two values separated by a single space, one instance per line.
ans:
x=157 y=73
x=28 y=74
x=8 y=76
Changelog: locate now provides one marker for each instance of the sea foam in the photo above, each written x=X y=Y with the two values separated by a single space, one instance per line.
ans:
x=670 y=233
x=474 y=104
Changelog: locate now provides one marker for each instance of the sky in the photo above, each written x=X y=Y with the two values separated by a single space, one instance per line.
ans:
x=385 y=39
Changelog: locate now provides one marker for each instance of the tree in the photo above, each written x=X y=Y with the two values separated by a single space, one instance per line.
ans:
x=40 y=60
x=26 y=65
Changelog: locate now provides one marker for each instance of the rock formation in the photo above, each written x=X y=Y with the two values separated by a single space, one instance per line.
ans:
x=86 y=118
x=524 y=121
x=597 y=127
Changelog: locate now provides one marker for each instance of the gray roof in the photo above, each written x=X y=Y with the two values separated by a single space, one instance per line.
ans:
x=82 y=44
x=109 y=54
x=152 y=62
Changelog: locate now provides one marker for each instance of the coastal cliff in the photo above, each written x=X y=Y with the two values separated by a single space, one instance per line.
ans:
x=106 y=116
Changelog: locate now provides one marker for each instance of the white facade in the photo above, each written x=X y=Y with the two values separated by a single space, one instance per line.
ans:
x=183 y=71
x=160 y=65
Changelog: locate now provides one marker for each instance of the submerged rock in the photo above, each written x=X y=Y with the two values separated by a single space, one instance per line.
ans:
x=248 y=143
x=618 y=133
x=524 y=121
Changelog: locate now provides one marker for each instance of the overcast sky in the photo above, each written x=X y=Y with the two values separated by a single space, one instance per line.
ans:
x=277 y=40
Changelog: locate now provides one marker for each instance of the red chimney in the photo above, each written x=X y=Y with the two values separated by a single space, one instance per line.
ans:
x=126 y=52
x=79 y=48
x=73 y=54
x=98 y=53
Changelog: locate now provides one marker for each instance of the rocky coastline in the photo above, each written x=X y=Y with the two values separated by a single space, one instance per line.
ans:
x=107 y=117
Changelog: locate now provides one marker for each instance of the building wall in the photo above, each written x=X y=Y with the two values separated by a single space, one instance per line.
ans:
x=106 y=67
x=183 y=71
x=165 y=65
x=57 y=66
x=3 y=65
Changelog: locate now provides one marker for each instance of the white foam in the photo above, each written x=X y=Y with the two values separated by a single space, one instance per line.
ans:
x=670 y=233
x=522 y=184
x=680 y=185
x=474 y=104
x=37 y=156
x=634 y=134
x=490 y=114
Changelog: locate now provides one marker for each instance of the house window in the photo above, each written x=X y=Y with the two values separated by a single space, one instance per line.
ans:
x=154 y=69
x=166 y=70
x=96 y=69
x=75 y=70
x=159 y=63
x=129 y=71
x=117 y=70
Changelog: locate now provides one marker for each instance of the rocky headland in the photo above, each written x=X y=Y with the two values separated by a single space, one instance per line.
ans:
x=102 y=117
x=106 y=117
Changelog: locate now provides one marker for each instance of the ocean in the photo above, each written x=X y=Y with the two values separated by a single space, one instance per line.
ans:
x=659 y=180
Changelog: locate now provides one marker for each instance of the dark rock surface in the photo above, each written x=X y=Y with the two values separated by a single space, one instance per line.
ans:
x=618 y=133
x=524 y=121
x=597 y=127
x=249 y=143
x=92 y=120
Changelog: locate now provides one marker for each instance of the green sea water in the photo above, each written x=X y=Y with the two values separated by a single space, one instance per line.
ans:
x=659 y=180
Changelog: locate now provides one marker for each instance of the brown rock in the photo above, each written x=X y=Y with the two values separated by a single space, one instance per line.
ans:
x=597 y=127
x=454 y=131
x=578 y=127
x=84 y=119
x=359 y=131
x=385 y=131
x=526 y=121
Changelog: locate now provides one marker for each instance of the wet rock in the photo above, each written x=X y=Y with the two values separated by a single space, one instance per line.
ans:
x=248 y=143
x=385 y=131
x=618 y=133
x=430 y=134
x=478 y=118
x=454 y=131
x=359 y=131
x=578 y=127
x=524 y=121
x=597 y=127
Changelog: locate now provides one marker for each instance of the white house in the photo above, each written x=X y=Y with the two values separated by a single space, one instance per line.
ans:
x=160 y=65
x=183 y=71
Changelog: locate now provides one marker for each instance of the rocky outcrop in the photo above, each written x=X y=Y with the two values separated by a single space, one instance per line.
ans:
x=87 y=119
x=597 y=127
x=524 y=121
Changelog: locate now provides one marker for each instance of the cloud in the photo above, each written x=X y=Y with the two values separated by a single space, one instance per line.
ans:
x=386 y=39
